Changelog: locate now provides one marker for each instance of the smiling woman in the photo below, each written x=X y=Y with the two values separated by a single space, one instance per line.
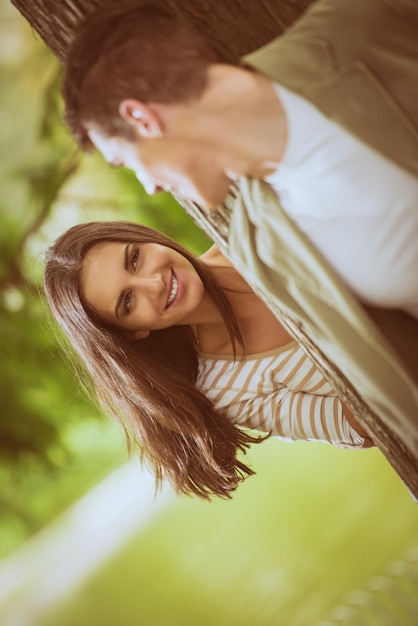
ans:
x=185 y=355
x=142 y=287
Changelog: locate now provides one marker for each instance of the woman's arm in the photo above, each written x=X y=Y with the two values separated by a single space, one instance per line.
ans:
x=298 y=415
x=349 y=416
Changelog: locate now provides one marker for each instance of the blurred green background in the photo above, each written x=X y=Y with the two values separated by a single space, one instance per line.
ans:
x=315 y=525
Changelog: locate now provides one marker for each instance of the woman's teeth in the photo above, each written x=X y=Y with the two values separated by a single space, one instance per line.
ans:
x=173 y=292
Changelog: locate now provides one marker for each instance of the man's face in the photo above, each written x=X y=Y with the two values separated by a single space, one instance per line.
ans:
x=187 y=167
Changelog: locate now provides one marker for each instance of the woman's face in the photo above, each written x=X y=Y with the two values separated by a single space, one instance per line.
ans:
x=141 y=286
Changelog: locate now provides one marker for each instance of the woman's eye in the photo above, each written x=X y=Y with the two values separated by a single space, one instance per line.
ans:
x=127 y=303
x=134 y=258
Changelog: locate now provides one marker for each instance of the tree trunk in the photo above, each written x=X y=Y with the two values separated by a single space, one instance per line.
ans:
x=225 y=23
x=235 y=28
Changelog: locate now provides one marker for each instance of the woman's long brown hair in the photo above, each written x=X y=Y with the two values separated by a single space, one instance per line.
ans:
x=149 y=384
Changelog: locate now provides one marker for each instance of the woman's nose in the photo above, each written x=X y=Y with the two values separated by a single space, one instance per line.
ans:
x=153 y=284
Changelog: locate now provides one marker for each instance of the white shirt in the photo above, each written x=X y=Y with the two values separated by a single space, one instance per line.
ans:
x=359 y=209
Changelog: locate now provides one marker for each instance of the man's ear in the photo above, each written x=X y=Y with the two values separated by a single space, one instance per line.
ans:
x=142 y=117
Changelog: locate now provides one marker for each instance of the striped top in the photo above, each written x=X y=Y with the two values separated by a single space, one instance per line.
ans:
x=280 y=391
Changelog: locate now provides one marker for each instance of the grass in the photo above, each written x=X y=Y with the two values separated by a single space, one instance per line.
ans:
x=315 y=524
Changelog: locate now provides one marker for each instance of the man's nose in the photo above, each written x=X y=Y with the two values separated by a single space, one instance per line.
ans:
x=150 y=187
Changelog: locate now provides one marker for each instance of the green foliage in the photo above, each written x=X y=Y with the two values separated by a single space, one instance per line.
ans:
x=32 y=386
x=32 y=494
x=34 y=380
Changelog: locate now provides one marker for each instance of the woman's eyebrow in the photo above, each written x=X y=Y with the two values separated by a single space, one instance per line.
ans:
x=126 y=261
x=122 y=293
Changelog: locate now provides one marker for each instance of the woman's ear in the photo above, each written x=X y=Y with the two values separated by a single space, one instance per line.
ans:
x=142 y=117
x=139 y=334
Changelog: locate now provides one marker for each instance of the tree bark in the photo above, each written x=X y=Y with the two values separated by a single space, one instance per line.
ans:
x=235 y=27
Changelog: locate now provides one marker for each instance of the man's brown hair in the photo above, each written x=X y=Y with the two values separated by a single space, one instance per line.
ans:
x=130 y=50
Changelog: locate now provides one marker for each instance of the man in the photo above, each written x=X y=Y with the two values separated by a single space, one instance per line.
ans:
x=188 y=123
x=320 y=128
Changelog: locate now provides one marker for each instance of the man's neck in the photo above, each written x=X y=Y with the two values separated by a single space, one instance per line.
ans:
x=245 y=116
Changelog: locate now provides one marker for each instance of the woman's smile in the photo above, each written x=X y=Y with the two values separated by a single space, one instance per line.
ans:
x=173 y=290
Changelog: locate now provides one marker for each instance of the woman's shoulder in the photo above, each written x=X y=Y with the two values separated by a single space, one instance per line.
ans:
x=214 y=256
x=292 y=346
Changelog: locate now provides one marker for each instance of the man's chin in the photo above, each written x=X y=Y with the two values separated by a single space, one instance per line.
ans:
x=208 y=199
x=211 y=200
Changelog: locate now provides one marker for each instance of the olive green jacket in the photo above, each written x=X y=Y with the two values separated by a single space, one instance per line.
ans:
x=356 y=61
